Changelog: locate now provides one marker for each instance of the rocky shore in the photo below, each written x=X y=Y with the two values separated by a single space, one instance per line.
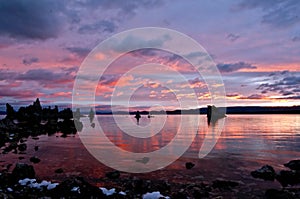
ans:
x=23 y=183
x=34 y=120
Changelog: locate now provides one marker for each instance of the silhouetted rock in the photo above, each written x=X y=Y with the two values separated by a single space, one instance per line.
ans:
x=7 y=124
x=78 y=125
x=113 y=175
x=91 y=115
x=288 y=177
x=34 y=160
x=67 y=127
x=10 y=112
x=293 y=164
x=22 y=171
x=189 y=165
x=77 y=114
x=266 y=172
x=66 y=114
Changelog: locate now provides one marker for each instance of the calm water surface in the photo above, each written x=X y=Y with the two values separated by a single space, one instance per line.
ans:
x=246 y=143
x=272 y=138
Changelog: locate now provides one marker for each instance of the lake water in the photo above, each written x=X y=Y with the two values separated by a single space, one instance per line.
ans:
x=246 y=143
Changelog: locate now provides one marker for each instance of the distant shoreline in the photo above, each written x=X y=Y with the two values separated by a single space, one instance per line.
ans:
x=234 y=110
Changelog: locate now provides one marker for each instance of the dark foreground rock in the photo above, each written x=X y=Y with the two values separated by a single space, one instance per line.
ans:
x=22 y=171
x=293 y=165
x=34 y=160
x=76 y=187
x=281 y=194
x=288 y=178
x=189 y=165
x=266 y=173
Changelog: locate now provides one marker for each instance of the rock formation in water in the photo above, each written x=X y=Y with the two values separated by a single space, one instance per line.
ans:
x=34 y=120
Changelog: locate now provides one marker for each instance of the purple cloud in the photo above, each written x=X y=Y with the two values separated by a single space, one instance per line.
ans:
x=29 y=61
x=231 y=67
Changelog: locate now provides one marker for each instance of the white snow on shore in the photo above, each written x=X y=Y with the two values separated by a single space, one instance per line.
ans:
x=108 y=192
x=33 y=184
x=154 y=195
x=111 y=191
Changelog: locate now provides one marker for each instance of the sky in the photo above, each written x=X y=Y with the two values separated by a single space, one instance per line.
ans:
x=254 y=44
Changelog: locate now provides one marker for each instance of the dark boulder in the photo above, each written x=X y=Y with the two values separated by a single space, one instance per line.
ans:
x=288 y=177
x=189 y=165
x=34 y=160
x=22 y=171
x=293 y=164
x=266 y=173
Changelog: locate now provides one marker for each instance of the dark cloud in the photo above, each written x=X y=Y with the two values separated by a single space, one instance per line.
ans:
x=284 y=83
x=47 y=78
x=253 y=97
x=30 y=19
x=78 y=51
x=128 y=42
x=232 y=37
x=29 y=61
x=277 y=13
x=118 y=11
x=148 y=52
x=293 y=97
x=100 y=26
x=40 y=75
x=126 y=7
x=232 y=95
x=7 y=74
x=231 y=67
x=17 y=93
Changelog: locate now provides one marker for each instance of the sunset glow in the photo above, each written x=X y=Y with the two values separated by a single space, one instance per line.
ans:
x=256 y=53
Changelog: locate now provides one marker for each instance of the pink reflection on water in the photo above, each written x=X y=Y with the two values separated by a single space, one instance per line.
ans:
x=246 y=143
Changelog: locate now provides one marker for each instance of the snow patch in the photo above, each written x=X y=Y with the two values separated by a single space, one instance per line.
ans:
x=108 y=192
x=154 y=195
x=33 y=184
x=122 y=193
x=26 y=181
x=52 y=186
x=76 y=189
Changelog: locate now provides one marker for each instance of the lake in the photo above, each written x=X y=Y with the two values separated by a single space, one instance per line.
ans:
x=246 y=143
